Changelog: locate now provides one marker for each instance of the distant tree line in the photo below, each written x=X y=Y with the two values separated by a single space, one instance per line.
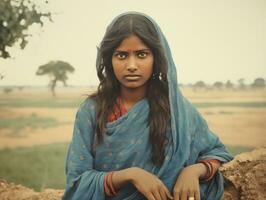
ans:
x=257 y=83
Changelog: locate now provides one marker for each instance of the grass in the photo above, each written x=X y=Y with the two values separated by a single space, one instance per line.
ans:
x=43 y=166
x=36 y=167
x=33 y=121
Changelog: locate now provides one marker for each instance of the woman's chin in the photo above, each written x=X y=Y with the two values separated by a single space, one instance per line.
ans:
x=134 y=85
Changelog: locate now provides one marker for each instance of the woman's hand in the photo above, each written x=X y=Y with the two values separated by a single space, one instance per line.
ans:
x=149 y=185
x=187 y=184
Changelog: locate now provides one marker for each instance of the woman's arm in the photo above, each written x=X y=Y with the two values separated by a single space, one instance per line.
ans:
x=199 y=169
x=122 y=177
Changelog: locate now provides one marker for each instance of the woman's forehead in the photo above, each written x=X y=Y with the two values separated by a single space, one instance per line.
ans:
x=132 y=40
x=132 y=43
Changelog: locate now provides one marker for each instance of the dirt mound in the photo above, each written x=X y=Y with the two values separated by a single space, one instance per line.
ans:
x=245 y=179
x=245 y=176
x=18 y=192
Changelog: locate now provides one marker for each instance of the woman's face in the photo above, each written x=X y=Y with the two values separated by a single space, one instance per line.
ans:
x=132 y=62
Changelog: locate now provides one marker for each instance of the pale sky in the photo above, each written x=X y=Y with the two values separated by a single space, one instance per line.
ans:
x=210 y=39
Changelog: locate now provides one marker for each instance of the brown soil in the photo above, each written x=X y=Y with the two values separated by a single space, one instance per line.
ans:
x=19 y=192
x=31 y=137
x=245 y=179
x=35 y=137
x=237 y=126
x=245 y=176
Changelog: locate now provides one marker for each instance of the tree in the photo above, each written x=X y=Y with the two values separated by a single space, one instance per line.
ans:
x=199 y=85
x=218 y=84
x=7 y=90
x=242 y=84
x=229 y=85
x=16 y=16
x=258 y=83
x=1 y=76
x=57 y=70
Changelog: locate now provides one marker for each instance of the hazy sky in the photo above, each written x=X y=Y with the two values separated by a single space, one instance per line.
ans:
x=210 y=39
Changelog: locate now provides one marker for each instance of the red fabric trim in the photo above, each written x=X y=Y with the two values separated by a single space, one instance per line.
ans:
x=118 y=111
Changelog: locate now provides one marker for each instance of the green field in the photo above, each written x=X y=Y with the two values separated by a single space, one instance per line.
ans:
x=43 y=166
x=35 y=167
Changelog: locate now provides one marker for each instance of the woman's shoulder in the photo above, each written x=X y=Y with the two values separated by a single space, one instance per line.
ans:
x=87 y=106
x=88 y=103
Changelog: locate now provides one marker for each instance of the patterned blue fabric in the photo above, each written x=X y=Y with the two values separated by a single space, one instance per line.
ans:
x=126 y=144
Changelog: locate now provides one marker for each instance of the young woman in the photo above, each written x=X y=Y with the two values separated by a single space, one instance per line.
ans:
x=137 y=137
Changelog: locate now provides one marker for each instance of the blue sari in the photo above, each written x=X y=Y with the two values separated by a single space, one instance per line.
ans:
x=126 y=144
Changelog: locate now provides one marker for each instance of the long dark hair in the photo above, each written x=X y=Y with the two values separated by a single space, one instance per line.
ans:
x=157 y=90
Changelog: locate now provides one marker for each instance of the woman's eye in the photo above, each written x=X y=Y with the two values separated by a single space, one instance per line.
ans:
x=142 y=54
x=121 y=55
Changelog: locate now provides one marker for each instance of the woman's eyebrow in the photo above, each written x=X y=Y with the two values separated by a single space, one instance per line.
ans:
x=121 y=51
x=143 y=50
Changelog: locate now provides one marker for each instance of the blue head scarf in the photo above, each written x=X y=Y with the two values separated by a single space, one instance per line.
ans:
x=126 y=144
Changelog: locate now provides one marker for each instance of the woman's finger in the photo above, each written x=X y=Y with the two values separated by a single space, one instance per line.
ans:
x=191 y=195
x=163 y=193
x=176 y=195
x=157 y=195
x=197 y=195
x=184 y=195
x=168 y=194
x=150 y=196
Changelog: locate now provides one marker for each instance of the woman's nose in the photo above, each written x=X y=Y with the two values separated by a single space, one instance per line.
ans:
x=131 y=64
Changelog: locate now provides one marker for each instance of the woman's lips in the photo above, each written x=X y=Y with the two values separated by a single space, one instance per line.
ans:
x=132 y=77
